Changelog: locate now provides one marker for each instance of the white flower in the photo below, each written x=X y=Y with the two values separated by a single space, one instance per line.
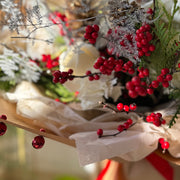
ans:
x=80 y=58
x=90 y=92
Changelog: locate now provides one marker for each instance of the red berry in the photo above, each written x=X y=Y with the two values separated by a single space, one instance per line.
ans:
x=88 y=72
x=96 y=77
x=141 y=35
x=120 y=106
x=129 y=121
x=160 y=78
x=136 y=80
x=42 y=130
x=99 y=132
x=161 y=140
x=168 y=77
x=141 y=75
x=89 y=29
x=147 y=27
x=120 y=128
x=55 y=80
x=94 y=35
x=133 y=106
x=150 y=91
x=142 y=29
x=148 y=119
x=126 y=108
x=70 y=71
x=38 y=142
x=147 y=54
x=91 y=78
x=126 y=125
x=131 y=71
x=164 y=71
x=165 y=84
x=132 y=93
x=3 y=116
x=151 y=47
x=96 y=27
x=157 y=122
x=163 y=121
x=92 y=41
x=62 y=81
x=178 y=65
x=149 y=36
x=87 y=35
x=165 y=145
x=130 y=85
x=144 y=42
x=140 y=53
x=145 y=49
x=146 y=72
x=143 y=83
x=142 y=91
x=149 y=11
x=3 y=128
x=155 y=84
x=57 y=74
x=159 y=115
x=138 y=39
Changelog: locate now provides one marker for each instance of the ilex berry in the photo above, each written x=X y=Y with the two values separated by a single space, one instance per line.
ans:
x=164 y=144
x=3 y=128
x=3 y=116
x=38 y=142
x=99 y=132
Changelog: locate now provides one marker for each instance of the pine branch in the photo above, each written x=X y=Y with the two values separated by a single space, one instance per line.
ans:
x=175 y=117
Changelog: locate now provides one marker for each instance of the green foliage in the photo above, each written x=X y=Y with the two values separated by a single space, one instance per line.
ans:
x=165 y=40
x=175 y=94
x=56 y=90
x=173 y=120
x=6 y=85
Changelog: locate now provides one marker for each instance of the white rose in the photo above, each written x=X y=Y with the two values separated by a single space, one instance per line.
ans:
x=90 y=92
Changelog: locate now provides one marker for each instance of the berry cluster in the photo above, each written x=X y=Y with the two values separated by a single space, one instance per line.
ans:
x=164 y=77
x=143 y=38
x=91 y=33
x=92 y=76
x=164 y=144
x=106 y=66
x=58 y=18
x=120 y=128
x=156 y=119
x=125 y=126
x=138 y=86
x=62 y=77
x=126 y=108
x=50 y=63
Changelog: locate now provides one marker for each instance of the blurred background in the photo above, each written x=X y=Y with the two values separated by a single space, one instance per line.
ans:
x=55 y=161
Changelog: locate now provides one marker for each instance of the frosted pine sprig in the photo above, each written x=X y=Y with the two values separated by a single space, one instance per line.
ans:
x=17 y=67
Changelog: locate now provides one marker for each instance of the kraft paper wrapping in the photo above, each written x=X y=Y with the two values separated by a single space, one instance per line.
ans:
x=68 y=124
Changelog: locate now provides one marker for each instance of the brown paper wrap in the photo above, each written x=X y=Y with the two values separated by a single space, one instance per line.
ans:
x=29 y=125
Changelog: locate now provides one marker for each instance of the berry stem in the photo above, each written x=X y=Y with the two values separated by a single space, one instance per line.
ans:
x=115 y=134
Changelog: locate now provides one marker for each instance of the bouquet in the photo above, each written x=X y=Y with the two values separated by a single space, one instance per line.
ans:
x=117 y=61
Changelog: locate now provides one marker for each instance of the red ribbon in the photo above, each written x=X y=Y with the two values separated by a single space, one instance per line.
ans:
x=161 y=165
x=103 y=172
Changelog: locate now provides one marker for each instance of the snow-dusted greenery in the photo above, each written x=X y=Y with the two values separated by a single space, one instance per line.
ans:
x=17 y=67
